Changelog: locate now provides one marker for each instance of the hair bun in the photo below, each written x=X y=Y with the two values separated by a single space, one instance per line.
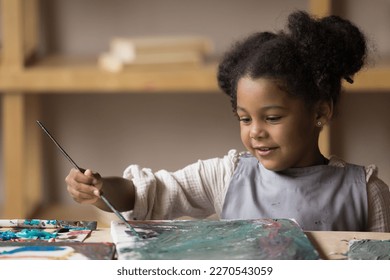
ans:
x=330 y=46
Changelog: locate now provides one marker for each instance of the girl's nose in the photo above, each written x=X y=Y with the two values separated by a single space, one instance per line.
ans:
x=257 y=132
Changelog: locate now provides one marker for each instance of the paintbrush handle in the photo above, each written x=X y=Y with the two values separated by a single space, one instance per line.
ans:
x=82 y=170
x=58 y=145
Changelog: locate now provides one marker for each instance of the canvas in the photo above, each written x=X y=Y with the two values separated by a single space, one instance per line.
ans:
x=280 y=239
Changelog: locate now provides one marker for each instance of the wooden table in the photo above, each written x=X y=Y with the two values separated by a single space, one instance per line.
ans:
x=331 y=245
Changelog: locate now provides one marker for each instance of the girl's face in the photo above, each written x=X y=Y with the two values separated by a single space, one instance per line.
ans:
x=275 y=127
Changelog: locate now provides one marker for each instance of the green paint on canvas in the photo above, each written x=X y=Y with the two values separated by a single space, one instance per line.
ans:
x=235 y=239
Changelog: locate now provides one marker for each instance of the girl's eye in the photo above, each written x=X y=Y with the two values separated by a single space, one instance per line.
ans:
x=273 y=118
x=244 y=119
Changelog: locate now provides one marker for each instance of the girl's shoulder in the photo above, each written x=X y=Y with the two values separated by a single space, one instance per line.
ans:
x=238 y=155
x=337 y=161
x=371 y=170
x=234 y=156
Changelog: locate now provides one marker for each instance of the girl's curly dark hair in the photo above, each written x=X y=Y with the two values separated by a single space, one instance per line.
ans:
x=308 y=60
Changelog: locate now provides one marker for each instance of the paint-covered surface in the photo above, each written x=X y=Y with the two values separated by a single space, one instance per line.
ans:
x=59 y=251
x=205 y=239
x=51 y=239
x=369 y=249
x=27 y=235
x=45 y=230
x=36 y=223
x=36 y=252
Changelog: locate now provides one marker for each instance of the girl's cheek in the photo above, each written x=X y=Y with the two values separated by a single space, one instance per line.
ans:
x=245 y=139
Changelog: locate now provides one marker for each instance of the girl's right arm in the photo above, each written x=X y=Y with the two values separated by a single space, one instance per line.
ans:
x=197 y=190
x=86 y=188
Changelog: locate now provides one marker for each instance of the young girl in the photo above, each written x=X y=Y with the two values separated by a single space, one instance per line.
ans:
x=284 y=87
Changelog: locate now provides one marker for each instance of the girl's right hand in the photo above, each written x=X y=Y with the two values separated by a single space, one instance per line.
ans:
x=84 y=187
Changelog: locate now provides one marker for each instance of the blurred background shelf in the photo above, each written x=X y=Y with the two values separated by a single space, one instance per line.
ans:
x=371 y=79
x=55 y=74
x=59 y=74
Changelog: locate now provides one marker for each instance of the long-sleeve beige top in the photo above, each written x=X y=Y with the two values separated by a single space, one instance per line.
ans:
x=198 y=190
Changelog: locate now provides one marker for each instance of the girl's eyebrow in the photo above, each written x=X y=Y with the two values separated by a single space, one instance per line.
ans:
x=240 y=109
x=268 y=107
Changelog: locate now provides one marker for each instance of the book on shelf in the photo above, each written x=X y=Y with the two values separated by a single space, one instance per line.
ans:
x=174 y=50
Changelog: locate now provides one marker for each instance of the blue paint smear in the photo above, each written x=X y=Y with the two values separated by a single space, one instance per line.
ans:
x=32 y=222
x=75 y=228
x=35 y=234
x=36 y=222
x=33 y=249
x=7 y=235
x=27 y=234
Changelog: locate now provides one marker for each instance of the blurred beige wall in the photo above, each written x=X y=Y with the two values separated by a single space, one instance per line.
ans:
x=158 y=131
x=85 y=27
x=1 y=160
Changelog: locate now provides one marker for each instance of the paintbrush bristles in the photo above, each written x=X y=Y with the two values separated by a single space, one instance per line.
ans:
x=119 y=215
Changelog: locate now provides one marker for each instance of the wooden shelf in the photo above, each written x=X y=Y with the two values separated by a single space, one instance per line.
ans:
x=60 y=74
x=371 y=79
x=56 y=74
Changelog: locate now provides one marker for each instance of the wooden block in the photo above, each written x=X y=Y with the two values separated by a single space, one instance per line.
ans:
x=112 y=63
x=128 y=49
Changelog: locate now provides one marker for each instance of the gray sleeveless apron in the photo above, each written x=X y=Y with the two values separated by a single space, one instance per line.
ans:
x=321 y=197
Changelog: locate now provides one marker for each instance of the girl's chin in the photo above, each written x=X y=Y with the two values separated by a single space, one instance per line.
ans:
x=270 y=165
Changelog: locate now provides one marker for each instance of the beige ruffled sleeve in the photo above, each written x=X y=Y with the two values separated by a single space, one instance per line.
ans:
x=378 y=201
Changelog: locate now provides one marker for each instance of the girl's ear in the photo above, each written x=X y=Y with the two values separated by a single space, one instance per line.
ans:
x=324 y=112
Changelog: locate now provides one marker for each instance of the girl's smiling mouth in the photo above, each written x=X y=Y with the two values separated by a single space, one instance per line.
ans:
x=264 y=151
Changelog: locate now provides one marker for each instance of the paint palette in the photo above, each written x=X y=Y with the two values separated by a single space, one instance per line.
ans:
x=57 y=251
x=51 y=239
x=27 y=235
x=36 y=223
x=280 y=239
x=369 y=249
x=45 y=230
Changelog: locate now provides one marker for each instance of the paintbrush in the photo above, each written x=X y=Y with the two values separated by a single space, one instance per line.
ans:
x=82 y=170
